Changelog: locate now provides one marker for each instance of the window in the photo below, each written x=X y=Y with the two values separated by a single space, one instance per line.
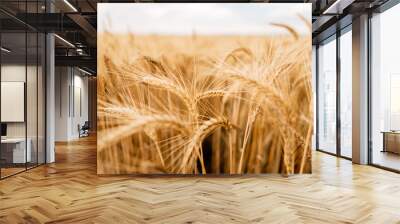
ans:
x=346 y=93
x=385 y=89
x=327 y=96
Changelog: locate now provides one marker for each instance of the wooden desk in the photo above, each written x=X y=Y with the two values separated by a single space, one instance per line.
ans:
x=13 y=150
x=391 y=141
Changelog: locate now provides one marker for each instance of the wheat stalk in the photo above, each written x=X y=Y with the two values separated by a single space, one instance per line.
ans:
x=201 y=104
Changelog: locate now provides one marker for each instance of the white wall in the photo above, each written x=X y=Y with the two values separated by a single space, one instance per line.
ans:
x=80 y=84
x=62 y=82
x=70 y=83
x=12 y=73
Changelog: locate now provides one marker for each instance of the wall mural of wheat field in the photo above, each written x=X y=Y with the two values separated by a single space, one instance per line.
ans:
x=204 y=88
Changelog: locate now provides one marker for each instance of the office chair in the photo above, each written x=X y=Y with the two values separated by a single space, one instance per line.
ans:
x=84 y=130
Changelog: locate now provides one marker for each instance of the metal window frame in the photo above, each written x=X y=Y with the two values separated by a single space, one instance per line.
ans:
x=337 y=35
x=381 y=9
x=387 y=5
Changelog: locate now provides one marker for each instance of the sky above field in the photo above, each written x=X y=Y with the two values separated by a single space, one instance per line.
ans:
x=202 y=18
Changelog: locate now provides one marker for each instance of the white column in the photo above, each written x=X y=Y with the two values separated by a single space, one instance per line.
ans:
x=50 y=98
x=360 y=90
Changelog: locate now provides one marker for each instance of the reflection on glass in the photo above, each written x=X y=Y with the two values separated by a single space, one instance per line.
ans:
x=346 y=94
x=327 y=97
x=386 y=89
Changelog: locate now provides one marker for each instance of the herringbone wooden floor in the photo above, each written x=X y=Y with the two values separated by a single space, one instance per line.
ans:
x=69 y=191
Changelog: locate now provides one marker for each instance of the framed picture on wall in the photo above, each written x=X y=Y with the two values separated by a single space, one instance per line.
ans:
x=204 y=88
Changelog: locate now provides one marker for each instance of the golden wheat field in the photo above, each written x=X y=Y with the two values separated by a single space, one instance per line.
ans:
x=204 y=104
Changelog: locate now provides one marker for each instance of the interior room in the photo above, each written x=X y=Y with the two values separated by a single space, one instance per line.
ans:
x=22 y=103
x=210 y=112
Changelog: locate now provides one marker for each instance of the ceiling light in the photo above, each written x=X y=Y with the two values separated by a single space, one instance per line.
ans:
x=65 y=41
x=79 y=51
x=70 y=5
x=5 y=50
x=84 y=71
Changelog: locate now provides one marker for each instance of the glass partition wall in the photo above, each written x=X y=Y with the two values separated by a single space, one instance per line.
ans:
x=13 y=89
x=334 y=93
x=22 y=78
